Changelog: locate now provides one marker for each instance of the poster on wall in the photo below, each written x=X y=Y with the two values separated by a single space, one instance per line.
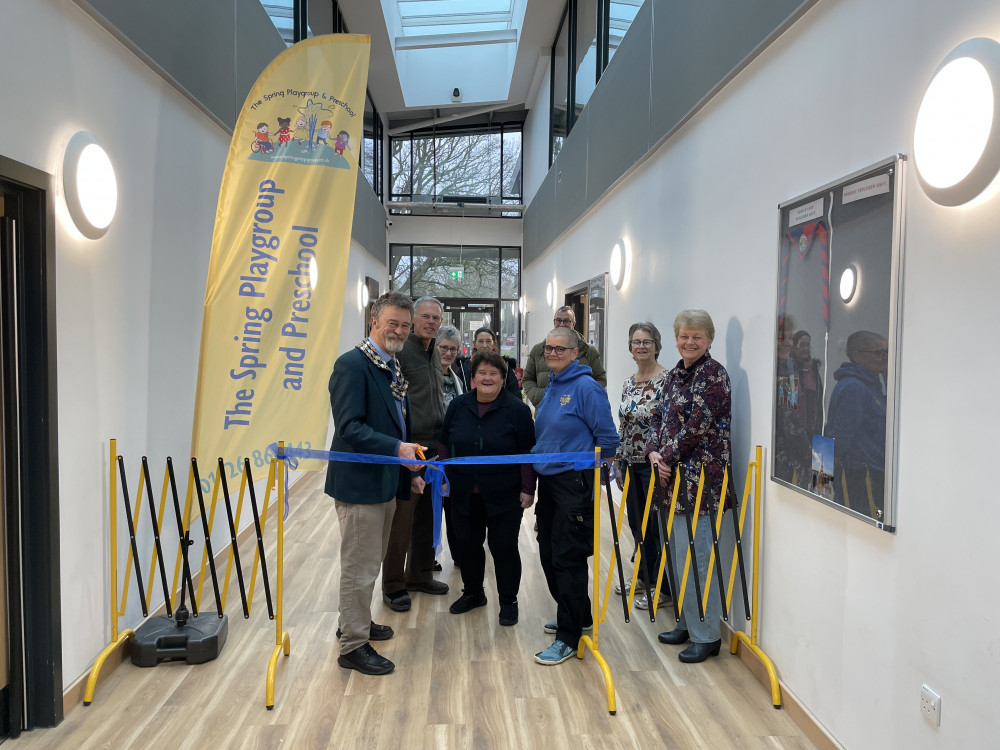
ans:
x=837 y=343
x=275 y=293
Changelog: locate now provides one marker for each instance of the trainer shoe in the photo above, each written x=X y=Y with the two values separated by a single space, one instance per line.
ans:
x=642 y=601
x=553 y=627
x=467 y=602
x=557 y=653
x=623 y=590
x=508 y=614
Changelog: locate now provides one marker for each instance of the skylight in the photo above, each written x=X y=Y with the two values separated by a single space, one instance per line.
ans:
x=430 y=17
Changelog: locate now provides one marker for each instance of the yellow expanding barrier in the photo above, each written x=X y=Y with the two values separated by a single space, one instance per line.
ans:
x=586 y=642
x=751 y=495
x=756 y=468
x=276 y=470
x=282 y=641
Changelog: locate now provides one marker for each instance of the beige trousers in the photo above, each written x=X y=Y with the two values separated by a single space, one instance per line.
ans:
x=364 y=538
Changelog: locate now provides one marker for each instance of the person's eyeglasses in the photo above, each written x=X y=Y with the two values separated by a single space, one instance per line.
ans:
x=876 y=352
x=641 y=342
x=558 y=350
x=563 y=321
x=448 y=349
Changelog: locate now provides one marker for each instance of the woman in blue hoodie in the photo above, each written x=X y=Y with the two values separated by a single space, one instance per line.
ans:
x=574 y=415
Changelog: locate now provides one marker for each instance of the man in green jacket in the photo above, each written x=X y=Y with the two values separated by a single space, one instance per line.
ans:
x=536 y=371
x=409 y=560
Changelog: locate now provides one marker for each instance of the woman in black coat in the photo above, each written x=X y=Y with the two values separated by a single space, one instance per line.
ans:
x=487 y=501
x=486 y=341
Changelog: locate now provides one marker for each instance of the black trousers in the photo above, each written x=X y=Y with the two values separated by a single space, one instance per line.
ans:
x=635 y=505
x=449 y=528
x=565 y=514
x=473 y=526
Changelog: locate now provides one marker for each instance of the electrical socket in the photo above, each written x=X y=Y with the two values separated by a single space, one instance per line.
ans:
x=930 y=705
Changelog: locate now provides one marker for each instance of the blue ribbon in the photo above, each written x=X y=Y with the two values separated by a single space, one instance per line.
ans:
x=434 y=473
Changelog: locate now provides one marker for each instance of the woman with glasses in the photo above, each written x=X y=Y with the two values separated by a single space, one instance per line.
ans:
x=574 y=415
x=448 y=342
x=689 y=432
x=641 y=394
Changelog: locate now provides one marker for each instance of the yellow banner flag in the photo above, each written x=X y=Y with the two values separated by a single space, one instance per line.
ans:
x=277 y=275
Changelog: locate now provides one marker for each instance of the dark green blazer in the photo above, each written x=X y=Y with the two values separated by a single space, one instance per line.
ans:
x=365 y=420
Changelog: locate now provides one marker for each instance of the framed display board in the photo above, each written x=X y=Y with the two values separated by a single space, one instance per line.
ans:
x=837 y=343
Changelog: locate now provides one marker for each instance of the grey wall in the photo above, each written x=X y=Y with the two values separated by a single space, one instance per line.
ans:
x=368 y=229
x=675 y=56
x=211 y=51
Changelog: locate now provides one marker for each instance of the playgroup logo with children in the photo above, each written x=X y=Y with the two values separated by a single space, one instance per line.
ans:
x=298 y=126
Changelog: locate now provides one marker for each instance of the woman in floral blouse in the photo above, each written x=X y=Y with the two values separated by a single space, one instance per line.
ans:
x=690 y=432
x=641 y=395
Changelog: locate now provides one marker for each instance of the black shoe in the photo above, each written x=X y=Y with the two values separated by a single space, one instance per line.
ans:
x=467 y=602
x=366 y=660
x=376 y=632
x=508 y=614
x=429 y=587
x=398 y=601
x=437 y=567
x=697 y=652
x=674 y=637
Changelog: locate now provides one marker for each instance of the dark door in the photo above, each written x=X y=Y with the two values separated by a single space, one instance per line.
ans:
x=32 y=696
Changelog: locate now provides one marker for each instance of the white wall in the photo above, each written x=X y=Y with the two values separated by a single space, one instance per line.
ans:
x=855 y=619
x=535 y=138
x=128 y=306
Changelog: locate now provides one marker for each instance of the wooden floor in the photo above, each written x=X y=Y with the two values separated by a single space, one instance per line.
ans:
x=460 y=681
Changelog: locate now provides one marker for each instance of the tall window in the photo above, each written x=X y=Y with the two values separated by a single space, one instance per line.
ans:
x=454 y=272
x=473 y=165
x=371 y=154
x=588 y=36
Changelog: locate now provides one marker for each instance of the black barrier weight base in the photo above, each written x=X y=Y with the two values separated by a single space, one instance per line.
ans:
x=161 y=639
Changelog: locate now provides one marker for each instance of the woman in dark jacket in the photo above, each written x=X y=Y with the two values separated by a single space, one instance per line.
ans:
x=486 y=341
x=487 y=501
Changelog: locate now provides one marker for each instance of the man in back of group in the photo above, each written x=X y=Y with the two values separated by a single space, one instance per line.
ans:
x=536 y=370
x=409 y=561
x=369 y=405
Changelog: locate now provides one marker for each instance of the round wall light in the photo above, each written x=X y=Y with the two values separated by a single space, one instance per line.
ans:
x=549 y=292
x=956 y=140
x=522 y=305
x=848 y=283
x=621 y=263
x=89 y=185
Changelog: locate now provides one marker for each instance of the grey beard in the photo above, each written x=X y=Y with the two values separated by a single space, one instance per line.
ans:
x=394 y=346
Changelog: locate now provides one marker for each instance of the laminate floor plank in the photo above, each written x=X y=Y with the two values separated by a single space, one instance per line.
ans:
x=461 y=682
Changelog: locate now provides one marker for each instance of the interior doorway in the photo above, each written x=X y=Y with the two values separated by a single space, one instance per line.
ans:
x=29 y=508
x=589 y=303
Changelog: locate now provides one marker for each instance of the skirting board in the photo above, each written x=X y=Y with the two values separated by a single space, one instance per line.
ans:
x=73 y=695
x=798 y=713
